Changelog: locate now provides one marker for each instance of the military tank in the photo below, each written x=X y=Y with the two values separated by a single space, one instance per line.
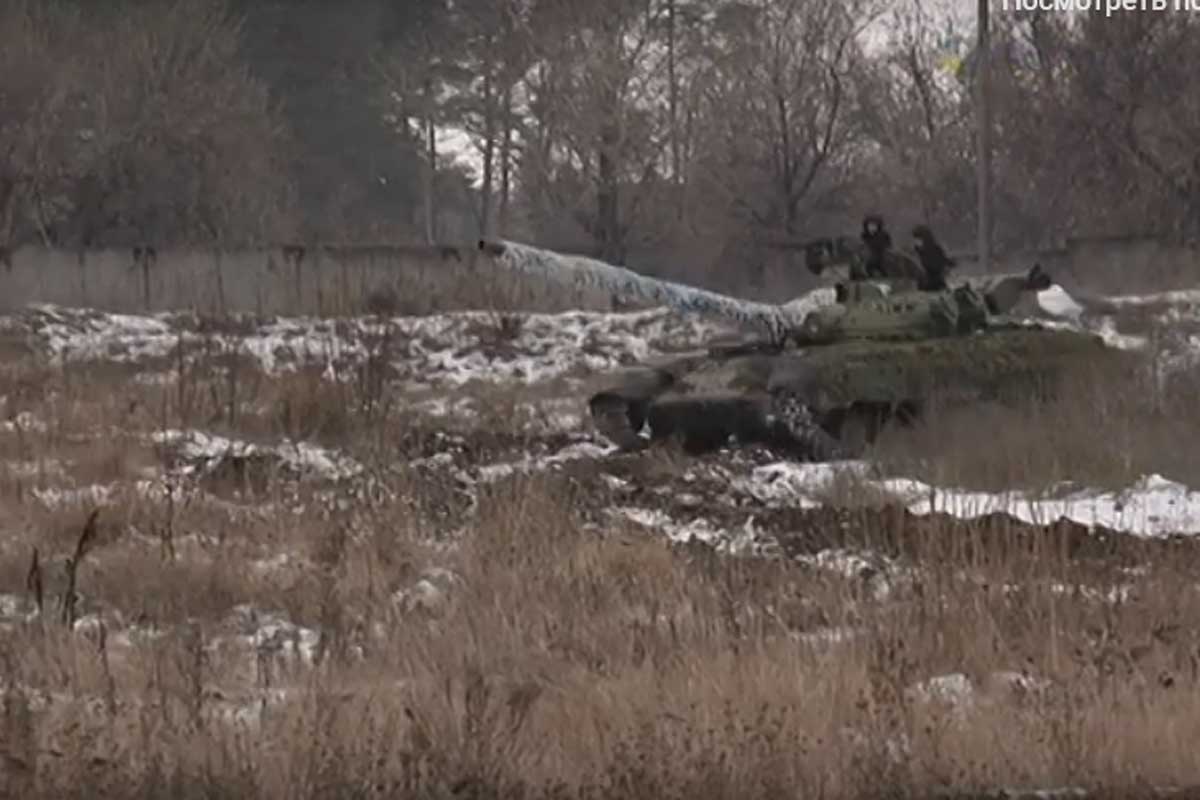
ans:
x=821 y=381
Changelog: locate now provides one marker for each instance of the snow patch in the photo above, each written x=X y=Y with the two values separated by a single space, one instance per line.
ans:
x=959 y=691
x=573 y=452
x=795 y=484
x=34 y=470
x=271 y=633
x=1179 y=297
x=1154 y=506
x=24 y=422
x=876 y=571
x=746 y=541
x=430 y=593
x=203 y=452
x=955 y=689
x=1105 y=329
x=84 y=334
x=442 y=350
x=93 y=495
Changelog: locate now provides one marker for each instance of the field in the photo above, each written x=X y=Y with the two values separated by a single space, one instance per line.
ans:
x=389 y=557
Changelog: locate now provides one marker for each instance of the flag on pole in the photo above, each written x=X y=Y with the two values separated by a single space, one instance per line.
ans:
x=953 y=52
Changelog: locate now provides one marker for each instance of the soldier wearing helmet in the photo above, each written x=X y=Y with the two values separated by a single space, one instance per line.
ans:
x=878 y=241
x=934 y=260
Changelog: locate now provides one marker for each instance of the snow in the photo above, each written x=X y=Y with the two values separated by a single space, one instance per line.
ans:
x=746 y=541
x=433 y=356
x=81 y=334
x=443 y=354
x=204 y=451
x=957 y=689
x=876 y=571
x=430 y=593
x=1153 y=506
x=442 y=351
x=24 y=422
x=793 y=484
x=1107 y=331
x=93 y=495
x=446 y=351
x=16 y=610
x=45 y=469
x=1180 y=297
x=574 y=452
x=270 y=632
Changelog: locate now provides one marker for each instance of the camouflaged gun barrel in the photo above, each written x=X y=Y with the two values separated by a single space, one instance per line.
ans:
x=589 y=273
x=872 y=309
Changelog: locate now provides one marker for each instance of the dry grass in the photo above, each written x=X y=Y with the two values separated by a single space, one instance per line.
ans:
x=556 y=658
x=1099 y=429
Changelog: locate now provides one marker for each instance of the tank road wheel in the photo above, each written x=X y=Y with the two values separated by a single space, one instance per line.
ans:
x=795 y=428
x=858 y=427
x=618 y=420
x=855 y=431
x=706 y=424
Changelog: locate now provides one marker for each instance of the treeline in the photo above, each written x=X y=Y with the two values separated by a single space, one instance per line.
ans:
x=702 y=133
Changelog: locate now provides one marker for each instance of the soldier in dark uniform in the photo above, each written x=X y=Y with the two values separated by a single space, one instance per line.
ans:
x=878 y=241
x=934 y=260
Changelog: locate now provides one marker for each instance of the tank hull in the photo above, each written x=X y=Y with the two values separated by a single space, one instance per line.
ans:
x=830 y=401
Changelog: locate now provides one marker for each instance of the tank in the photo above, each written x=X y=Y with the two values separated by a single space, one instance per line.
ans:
x=821 y=381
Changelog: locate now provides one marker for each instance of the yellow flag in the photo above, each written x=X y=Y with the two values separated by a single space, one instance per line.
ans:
x=951 y=62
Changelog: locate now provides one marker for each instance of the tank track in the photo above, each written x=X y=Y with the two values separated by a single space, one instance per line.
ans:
x=794 y=423
x=617 y=420
x=783 y=423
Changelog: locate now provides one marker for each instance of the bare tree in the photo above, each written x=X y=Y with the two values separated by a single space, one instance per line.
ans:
x=918 y=113
x=423 y=78
x=1133 y=74
x=497 y=52
x=141 y=126
x=1093 y=108
x=593 y=143
x=780 y=98
x=36 y=89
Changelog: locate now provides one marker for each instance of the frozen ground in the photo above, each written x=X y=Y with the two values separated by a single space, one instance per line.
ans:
x=437 y=361
x=446 y=375
x=450 y=350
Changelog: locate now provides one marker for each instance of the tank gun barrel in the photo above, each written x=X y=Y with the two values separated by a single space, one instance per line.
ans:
x=966 y=307
x=588 y=273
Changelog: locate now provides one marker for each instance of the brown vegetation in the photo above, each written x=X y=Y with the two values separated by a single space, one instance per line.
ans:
x=687 y=138
x=553 y=657
x=132 y=128
x=247 y=630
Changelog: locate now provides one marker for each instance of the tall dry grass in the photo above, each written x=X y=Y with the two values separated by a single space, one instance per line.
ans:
x=1105 y=426
x=557 y=658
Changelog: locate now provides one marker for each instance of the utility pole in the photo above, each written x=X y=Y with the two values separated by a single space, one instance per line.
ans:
x=983 y=121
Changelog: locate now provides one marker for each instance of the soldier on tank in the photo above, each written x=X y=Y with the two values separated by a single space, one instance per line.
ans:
x=934 y=260
x=878 y=241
